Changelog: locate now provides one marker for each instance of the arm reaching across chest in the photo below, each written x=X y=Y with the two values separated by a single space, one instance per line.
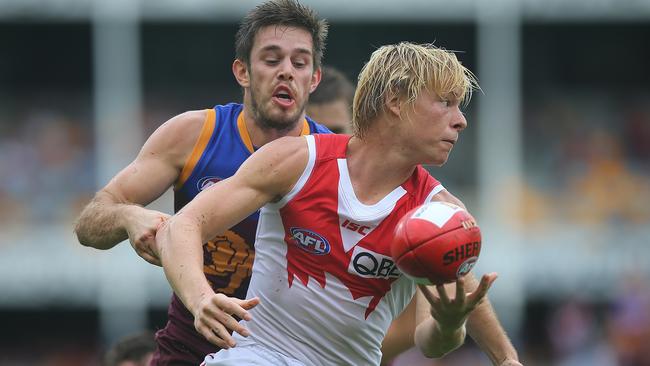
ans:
x=265 y=177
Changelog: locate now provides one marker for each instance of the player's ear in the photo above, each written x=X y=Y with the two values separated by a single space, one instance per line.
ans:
x=240 y=70
x=393 y=104
x=315 y=79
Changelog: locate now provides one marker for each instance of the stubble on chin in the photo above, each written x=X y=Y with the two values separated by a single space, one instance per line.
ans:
x=265 y=121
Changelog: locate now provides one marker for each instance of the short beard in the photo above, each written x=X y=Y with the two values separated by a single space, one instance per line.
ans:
x=266 y=122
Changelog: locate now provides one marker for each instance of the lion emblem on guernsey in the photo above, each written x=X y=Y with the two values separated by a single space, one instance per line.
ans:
x=228 y=261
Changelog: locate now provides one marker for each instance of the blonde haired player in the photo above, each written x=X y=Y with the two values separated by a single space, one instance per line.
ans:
x=321 y=301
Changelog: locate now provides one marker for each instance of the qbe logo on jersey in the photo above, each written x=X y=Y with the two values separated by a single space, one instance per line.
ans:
x=368 y=264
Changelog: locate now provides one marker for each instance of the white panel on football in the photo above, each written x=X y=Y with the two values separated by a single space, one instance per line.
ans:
x=436 y=212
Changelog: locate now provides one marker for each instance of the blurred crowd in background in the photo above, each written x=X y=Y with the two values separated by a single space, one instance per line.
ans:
x=586 y=135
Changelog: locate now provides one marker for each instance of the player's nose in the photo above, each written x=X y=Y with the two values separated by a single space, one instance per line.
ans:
x=285 y=70
x=460 y=122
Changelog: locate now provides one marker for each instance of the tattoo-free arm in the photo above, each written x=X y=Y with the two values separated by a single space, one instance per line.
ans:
x=116 y=211
x=267 y=175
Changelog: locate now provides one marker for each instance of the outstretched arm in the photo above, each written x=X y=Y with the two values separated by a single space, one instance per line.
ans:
x=485 y=329
x=441 y=318
x=265 y=177
x=116 y=211
x=482 y=323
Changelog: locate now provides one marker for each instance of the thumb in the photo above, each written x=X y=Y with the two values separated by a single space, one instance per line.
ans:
x=248 y=303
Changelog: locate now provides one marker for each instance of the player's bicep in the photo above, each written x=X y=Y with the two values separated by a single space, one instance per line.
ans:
x=142 y=181
x=159 y=162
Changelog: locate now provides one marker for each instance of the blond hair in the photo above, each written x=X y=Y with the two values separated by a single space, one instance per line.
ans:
x=404 y=70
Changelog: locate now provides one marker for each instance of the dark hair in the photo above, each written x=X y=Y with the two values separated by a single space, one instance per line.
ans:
x=281 y=12
x=334 y=85
x=132 y=348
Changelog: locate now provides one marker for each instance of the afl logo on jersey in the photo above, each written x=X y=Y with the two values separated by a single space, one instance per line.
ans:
x=310 y=241
x=206 y=182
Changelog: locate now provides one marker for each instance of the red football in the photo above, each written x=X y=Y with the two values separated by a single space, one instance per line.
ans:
x=436 y=243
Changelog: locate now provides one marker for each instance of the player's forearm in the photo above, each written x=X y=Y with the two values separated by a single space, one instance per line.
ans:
x=485 y=329
x=435 y=341
x=181 y=253
x=101 y=224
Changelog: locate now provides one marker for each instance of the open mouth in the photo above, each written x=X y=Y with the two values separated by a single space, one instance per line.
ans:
x=282 y=96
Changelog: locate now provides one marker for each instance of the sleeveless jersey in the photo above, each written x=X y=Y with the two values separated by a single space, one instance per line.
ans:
x=222 y=146
x=327 y=284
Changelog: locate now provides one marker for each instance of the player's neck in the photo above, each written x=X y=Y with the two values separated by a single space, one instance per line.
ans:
x=375 y=170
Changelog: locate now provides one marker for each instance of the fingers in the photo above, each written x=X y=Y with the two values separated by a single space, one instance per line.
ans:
x=221 y=322
x=443 y=294
x=460 y=290
x=246 y=305
x=144 y=247
x=215 y=320
x=486 y=282
x=214 y=332
x=431 y=298
x=163 y=218
x=223 y=310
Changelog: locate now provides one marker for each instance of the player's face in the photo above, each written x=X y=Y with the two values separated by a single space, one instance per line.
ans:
x=281 y=76
x=436 y=125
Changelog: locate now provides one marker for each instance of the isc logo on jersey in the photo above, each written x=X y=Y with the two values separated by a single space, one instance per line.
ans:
x=368 y=264
x=207 y=182
x=310 y=241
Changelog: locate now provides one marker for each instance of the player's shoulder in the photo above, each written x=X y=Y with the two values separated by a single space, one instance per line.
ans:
x=177 y=136
x=278 y=164
x=184 y=126
x=287 y=146
x=285 y=153
x=189 y=122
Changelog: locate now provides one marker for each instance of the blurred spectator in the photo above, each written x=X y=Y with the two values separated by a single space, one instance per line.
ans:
x=46 y=168
x=628 y=322
x=134 y=350
x=467 y=355
x=330 y=104
x=608 y=190
x=576 y=336
x=580 y=166
x=637 y=132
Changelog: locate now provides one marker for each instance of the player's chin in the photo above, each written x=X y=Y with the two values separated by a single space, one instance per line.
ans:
x=438 y=159
x=284 y=121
